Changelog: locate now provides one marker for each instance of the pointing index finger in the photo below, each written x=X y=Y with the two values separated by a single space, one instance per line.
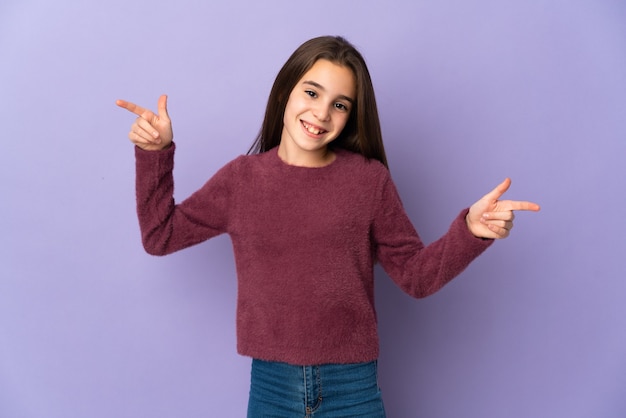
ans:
x=131 y=107
x=507 y=205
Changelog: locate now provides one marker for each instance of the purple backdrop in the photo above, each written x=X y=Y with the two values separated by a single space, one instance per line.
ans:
x=469 y=92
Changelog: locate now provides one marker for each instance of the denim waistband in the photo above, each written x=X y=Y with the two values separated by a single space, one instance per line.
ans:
x=329 y=390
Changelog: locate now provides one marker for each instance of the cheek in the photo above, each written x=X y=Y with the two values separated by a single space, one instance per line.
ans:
x=294 y=105
x=342 y=121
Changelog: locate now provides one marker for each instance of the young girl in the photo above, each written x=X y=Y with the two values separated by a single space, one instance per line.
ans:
x=310 y=210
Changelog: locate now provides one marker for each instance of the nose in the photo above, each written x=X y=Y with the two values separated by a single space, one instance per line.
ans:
x=321 y=112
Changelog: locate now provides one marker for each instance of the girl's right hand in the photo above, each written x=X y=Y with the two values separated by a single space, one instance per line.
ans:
x=150 y=131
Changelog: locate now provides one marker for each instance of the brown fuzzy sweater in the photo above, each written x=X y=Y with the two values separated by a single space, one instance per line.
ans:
x=305 y=243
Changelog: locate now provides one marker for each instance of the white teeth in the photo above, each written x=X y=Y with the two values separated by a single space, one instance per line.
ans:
x=312 y=129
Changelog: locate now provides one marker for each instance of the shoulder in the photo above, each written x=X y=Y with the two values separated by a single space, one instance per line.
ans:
x=244 y=163
x=247 y=169
x=364 y=167
x=254 y=163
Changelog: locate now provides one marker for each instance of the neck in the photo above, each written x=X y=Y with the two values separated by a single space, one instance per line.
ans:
x=319 y=158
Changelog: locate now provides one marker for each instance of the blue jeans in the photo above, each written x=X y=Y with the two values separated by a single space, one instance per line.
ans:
x=329 y=390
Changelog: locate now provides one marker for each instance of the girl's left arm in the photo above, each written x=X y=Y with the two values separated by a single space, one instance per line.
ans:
x=421 y=270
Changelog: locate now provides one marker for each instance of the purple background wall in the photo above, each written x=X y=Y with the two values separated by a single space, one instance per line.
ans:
x=469 y=92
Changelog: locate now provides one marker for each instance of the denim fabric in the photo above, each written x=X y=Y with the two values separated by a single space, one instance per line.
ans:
x=329 y=390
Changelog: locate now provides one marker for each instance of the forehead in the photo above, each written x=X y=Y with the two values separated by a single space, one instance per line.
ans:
x=334 y=78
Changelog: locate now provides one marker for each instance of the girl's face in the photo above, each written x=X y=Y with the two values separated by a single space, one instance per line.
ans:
x=317 y=110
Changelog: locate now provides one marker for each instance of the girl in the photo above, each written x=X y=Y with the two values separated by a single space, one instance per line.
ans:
x=309 y=210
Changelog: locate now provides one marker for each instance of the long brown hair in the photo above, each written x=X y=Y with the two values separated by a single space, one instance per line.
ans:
x=362 y=133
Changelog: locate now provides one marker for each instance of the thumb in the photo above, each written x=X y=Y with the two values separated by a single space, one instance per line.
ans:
x=162 y=107
x=499 y=190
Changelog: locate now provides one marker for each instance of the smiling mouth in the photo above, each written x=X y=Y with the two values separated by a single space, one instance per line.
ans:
x=313 y=129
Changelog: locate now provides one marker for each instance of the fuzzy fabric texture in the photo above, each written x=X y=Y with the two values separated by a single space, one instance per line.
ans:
x=305 y=243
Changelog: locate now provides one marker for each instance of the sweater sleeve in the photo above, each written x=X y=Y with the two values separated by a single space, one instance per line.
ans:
x=417 y=269
x=165 y=226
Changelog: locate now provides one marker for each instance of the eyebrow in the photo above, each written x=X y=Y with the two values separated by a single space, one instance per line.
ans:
x=319 y=86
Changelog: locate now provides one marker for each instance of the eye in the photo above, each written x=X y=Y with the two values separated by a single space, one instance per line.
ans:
x=311 y=93
x=342 y=107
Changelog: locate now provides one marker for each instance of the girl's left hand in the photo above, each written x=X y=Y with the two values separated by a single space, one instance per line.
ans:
x=493 y=218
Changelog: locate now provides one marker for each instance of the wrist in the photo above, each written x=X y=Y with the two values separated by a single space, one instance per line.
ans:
x=468 y=223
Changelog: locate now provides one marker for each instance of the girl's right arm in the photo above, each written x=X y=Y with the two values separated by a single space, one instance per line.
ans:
x=165 y=226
